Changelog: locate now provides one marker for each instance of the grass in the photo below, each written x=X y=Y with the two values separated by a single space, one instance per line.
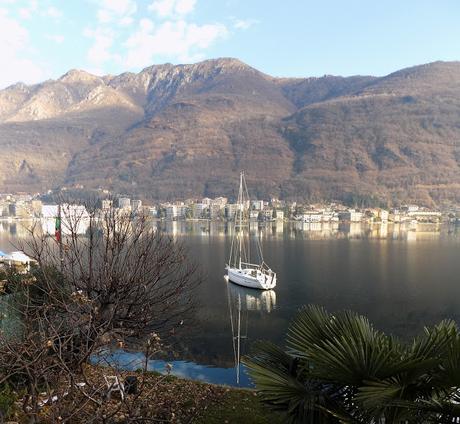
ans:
x=162 y=398
x=240 y=406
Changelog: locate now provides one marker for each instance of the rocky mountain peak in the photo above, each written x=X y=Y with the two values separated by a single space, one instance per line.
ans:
x=77 y=75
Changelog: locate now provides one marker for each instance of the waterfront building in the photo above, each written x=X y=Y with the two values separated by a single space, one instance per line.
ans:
x=395 y=216
x=107 y=204
x=230 y=210
x=182 y=211
x=199 y=210
x=20 y=209
x=221 y=201
x=257 y=205
x=36 y=206
x=216 y=210
x=254 y=215
x=384 y=215
x=136 y=205
x=267 y=214
x=279 y=214
x=3 y=209
x=312 y=216
x=350 y=215
x=425 y=216
x=49 y=211
x=124 y=203
x=175 y=212
x=171 y=212
x=276 y=203
x=12 y=209
x=153 y=211
x=74 y=218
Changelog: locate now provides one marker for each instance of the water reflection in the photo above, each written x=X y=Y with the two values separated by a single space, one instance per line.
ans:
x=133 y=361
x=274 y=230
x=401 y=278
x=242 y=301
x=309 y=230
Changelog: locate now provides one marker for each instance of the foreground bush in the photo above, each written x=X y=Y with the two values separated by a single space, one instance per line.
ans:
x=339 y=369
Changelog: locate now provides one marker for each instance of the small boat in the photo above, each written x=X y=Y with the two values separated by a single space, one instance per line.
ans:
x=255 y=274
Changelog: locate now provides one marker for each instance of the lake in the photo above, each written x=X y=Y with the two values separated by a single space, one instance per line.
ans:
x=401 y=280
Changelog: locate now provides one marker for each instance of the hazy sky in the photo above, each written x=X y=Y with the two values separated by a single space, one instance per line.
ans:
x=42 y=39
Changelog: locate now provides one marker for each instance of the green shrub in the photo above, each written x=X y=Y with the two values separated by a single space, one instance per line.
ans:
x=7 y=399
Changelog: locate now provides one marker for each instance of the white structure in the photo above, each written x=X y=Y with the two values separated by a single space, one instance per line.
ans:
x=136 y=205
x=425 y=216
x=279 y=215
x=230 y=210
x=221 y=201
x=257 y=205
x=384 y=215
x=107 y=204
x=312 y=216
x=175 y=212
x=267 y=214
x=74 y=219
x=216 y=210
x=199 y=210
x=124 y=203
x=49 y=211
x=254 y=215
x=153 y=211
x=351 y=216
x=171 y=212
x=17 y=260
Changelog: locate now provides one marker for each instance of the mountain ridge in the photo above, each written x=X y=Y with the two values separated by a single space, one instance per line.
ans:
x=176 y=131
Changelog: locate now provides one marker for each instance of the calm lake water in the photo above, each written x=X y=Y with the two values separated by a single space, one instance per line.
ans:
x=402 y=280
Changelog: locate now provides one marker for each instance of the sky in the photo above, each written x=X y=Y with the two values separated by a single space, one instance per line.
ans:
x=42 y=39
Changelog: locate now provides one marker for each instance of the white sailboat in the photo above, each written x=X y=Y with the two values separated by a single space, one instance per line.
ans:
x=241 y=269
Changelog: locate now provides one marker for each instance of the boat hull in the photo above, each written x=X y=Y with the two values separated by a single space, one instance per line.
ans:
x=251 y=279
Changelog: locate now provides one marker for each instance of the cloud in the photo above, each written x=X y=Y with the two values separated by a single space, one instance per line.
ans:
x=52 y=12
x=28 y=11
x=100 y=50
x=168 y=35
x=171 y=39
x=118 y=11
x=126 y=21
x=244 y=23
x=172 y=8
x=14 y=47
x=111 y=15
x=57 y=38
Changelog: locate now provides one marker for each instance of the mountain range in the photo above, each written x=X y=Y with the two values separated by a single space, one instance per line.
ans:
x=185 y=131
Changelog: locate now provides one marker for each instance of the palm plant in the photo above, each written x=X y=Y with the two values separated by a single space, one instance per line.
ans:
x=340 y=369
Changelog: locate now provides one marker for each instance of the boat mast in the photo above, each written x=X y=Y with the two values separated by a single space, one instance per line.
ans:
x=238 y=342
x=240 y=207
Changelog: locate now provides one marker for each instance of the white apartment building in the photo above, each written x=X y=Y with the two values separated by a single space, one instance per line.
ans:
x=124 y=203
x=199 y=210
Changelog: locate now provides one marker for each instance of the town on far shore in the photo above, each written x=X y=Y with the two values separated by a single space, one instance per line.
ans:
x=25 y=206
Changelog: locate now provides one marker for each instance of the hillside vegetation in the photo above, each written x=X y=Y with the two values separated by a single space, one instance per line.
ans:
x=187 y=130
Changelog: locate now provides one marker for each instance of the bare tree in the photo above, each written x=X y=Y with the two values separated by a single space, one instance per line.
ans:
x=109 y=279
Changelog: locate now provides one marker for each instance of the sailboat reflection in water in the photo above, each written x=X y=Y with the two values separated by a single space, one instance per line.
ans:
x=241 y=302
